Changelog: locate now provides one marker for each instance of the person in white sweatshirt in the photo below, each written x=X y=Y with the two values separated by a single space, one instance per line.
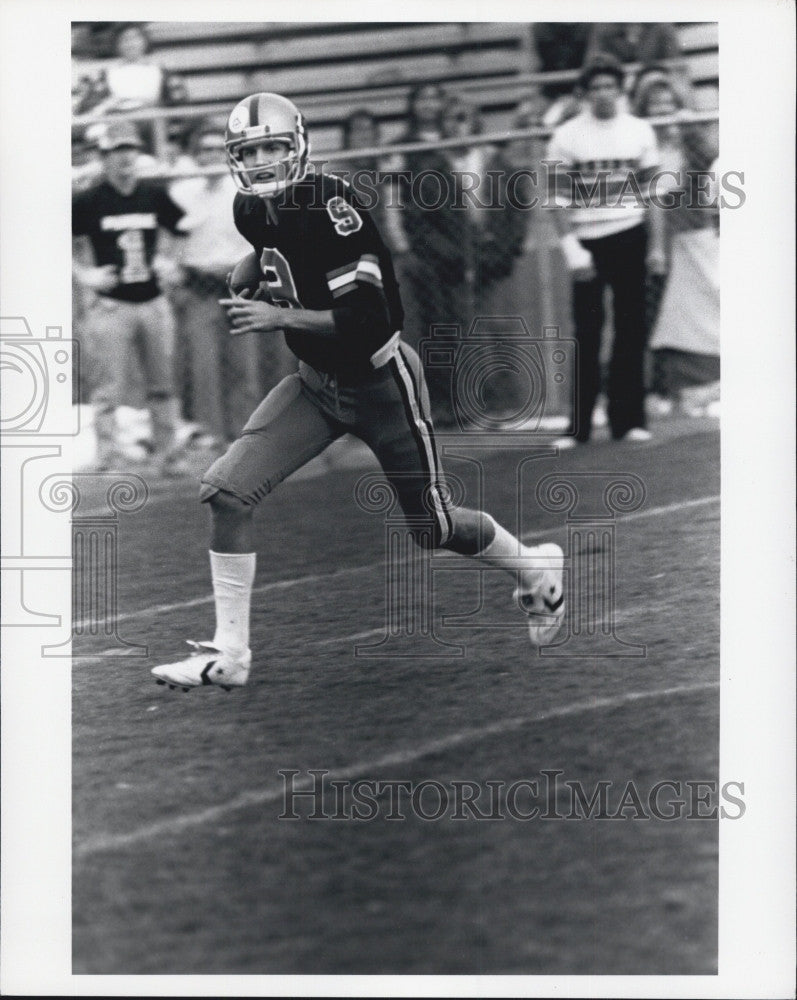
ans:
x=602 y=161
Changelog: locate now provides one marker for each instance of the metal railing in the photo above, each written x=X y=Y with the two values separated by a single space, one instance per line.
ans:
x=489 y=89
x=323 y=156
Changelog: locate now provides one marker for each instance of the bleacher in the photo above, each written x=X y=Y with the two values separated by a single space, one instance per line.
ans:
x=333 y=67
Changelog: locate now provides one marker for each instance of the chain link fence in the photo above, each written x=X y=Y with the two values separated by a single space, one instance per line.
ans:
x=471 y=245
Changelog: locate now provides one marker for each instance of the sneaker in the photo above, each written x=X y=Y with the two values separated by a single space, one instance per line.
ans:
x=207 y=665
x=545 y=605
x=637 y=434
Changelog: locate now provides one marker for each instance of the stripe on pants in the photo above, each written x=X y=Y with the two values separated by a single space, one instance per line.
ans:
x=422 y=432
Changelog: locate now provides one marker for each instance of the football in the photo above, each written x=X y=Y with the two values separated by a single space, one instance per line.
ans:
x=246 y=279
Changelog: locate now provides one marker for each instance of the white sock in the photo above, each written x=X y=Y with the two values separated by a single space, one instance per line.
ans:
x=233 y=575
x=509 y=553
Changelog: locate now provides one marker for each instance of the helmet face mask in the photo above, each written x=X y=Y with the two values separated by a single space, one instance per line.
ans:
x=266 y=118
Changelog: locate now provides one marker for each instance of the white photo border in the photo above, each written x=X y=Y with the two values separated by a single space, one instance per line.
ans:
x=756 y=929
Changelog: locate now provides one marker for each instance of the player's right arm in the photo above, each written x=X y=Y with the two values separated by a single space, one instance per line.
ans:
x=253 y=315
x=249 y=316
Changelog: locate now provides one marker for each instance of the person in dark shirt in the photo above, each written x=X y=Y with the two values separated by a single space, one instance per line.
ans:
x=128 y=316
x=325 y=277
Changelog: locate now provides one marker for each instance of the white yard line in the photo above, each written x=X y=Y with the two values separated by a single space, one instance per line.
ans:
x=637 y=515
x=266 y=588
x=624 y=616
x=356 y=636
x=175 y=825
x=310 y=580
x=621 y=617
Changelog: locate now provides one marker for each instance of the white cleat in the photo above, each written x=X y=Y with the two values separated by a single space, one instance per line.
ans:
x=545 y=605
x=207 y=665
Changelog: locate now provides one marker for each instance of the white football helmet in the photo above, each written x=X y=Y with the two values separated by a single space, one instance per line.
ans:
x=258 y=118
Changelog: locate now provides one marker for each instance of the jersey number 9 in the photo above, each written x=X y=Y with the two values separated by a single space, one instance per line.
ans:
x=347 y=220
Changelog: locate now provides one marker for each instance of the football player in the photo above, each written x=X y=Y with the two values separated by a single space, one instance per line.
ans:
x=327 y=281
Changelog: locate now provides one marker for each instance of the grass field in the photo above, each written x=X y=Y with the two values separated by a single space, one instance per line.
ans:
x=181 y=864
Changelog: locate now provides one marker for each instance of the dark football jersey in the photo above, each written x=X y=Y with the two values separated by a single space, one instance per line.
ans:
x=325 y=252
x=123 y=230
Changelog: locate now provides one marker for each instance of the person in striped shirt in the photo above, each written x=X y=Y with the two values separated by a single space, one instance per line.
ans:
x=605 y=160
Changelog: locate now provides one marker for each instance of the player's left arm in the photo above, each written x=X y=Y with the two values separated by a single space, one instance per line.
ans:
x=354 y=276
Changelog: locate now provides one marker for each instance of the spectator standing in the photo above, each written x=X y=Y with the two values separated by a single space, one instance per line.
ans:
x=683 y=301
x=560 y=46
x=643 y=42
x=425 y=108
x=494 y=231
x=176 y=156
x=361 y=131
x=85 y=69
x=132 y=80
x=497 y=228
x=223 y=371
x=128 y=314
x=437 y=237
x=435 y=253
x=606 y=244
x=655 y=95
x=86 y=162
